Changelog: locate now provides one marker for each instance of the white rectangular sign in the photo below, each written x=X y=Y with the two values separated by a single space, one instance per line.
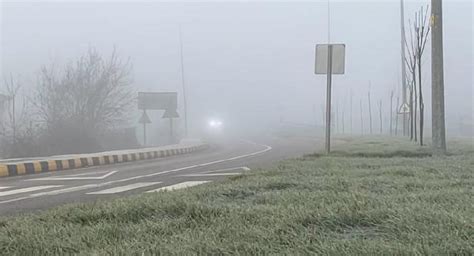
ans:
x=338 y=59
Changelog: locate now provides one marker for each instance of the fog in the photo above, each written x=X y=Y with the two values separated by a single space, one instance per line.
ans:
x=248 y=63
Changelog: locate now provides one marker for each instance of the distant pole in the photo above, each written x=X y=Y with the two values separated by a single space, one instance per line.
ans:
x=328 y=100
x=13 y=108
x=144 y=129
x=370 y=110
x=171 y=130
x=391 y=112
x=404 y=78
x=396 y=116
x=183 y=84
x=437 y=77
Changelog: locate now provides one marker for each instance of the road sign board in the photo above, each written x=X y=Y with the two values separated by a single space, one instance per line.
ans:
x=338 y=59
x=404 y=109
x=157 y=100
x=170 y=113
x=144 y=119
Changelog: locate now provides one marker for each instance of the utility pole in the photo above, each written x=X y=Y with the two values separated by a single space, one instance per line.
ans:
x=144 y=129
x=404 y=78
x=183 y=84
x=328 y=85
x=437 y=77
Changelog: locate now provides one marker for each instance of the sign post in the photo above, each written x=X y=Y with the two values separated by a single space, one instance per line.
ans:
x=404 y=109
x=171 y=113
x=158 y=101
x=144 y=119
x=330 y=59
x=328 y=100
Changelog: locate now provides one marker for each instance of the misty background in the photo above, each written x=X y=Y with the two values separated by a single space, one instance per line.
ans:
x=249 y=63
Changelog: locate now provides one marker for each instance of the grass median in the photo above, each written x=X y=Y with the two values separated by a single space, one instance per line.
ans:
x=373 y=196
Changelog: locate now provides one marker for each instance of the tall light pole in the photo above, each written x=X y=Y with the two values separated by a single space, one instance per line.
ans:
x=328 y=85
x=437 y=77
x=404 y=74
x=183 y=84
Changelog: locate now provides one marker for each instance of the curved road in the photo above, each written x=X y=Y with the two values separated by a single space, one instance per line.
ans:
x=29 y=193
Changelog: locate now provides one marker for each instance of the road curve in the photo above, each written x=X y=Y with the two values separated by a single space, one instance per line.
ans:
x=24 y=194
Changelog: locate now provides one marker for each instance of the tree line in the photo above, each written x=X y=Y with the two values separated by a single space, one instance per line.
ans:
x=77 y=107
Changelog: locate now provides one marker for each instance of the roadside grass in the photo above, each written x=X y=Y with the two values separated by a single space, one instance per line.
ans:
x=373 y=196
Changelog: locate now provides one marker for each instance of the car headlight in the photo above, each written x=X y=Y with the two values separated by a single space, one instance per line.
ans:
x=215 y=124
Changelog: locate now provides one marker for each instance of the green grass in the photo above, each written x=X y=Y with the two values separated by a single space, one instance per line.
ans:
x=372 y=197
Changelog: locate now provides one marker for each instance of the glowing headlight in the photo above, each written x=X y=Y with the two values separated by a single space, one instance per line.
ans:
x=215 y=123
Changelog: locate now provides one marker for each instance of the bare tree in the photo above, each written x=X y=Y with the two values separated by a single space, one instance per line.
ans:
x=16 y=131
x=421 y=32
x=12 y=89
x=86 y=98
x=410 y=61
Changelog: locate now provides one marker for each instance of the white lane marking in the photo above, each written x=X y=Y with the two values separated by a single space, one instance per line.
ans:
x=210 y=174
x=230 y=169
x=75 y=177
x=4 y=187
x=62 y=191
x=124 y=188
x=84 y=187
x=25 y=190
x=181 y=185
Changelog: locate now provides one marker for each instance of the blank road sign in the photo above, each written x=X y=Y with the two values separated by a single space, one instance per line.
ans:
x=157 y=100
x=338 y=59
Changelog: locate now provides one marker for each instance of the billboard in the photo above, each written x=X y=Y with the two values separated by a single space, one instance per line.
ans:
x=158 y=100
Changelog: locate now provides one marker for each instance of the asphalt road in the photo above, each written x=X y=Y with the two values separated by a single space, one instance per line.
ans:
x=31 y=193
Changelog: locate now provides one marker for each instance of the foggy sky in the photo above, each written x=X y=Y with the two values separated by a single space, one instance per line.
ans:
x=243 y=60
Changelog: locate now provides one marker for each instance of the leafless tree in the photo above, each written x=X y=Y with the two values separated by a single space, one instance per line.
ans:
x=12 y=89
x=89 y=96
x=16 y=130
x=419 y=32
x=411 y=62
x=422 y=31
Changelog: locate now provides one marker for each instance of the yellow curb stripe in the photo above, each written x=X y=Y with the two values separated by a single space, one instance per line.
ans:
x=52 y=166
x=37 y=167
x=3 y=171
x=20 y=169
